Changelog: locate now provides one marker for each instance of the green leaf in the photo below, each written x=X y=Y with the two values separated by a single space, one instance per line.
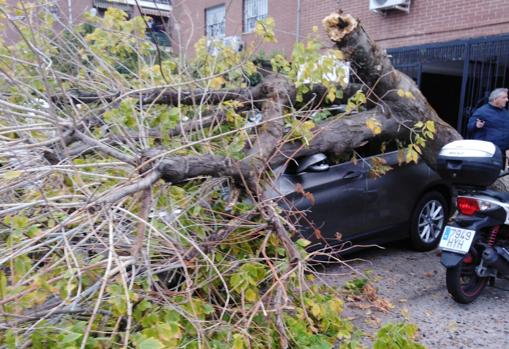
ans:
x=237 y=281
x=409 y=95
x=303 y=242
x=265 y=29
x=336 y=305
x=10 y=339
x=71 y=337
x=400 y=335
x=316 y=310
x=374 y=125
x=208 y=309
x=20 y=222
x=3 y=285
x=238 y=341
x=150 y=343
x=251 y=295
x=331 y=95
x=12 y=174
x=430 y=125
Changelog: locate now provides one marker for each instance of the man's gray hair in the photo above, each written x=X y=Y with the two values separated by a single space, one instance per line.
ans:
x=497 y=93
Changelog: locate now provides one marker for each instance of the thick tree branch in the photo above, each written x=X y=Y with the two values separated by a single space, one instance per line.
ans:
x=178 y=169
x=374 y=68
x=75 y=96
x=202 y=96
x=370 y=62
x=340 y=134
x=279 y=92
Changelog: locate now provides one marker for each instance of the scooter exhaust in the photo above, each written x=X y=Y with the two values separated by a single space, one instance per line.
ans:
x=492 y=259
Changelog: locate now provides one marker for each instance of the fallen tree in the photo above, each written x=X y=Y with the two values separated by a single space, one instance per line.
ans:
x=133 y=196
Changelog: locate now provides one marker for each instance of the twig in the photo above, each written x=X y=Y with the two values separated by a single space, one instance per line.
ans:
x=105 y=148
x=120 y=193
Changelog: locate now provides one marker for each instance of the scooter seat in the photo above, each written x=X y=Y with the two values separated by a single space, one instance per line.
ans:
x=502 y=196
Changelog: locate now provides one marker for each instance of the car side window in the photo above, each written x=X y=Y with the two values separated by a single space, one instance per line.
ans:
x=291 y=167
x=378 y=146
x=313 y=163
x=340 y=159
x=374 y=147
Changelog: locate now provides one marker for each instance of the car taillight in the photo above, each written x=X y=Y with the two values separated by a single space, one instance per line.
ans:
x=467 y=206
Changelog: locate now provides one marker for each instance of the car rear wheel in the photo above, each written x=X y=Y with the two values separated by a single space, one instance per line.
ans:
x=428 y=221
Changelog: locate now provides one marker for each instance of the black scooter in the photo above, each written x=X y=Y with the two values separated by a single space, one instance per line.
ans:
x=475 y=246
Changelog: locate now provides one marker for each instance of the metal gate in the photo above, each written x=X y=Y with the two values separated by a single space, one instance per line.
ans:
x=484 y=62
x=412 y=70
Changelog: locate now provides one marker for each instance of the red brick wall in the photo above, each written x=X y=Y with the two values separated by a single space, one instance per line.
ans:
x=190 y=19
x=429 y=21
x=77 y=10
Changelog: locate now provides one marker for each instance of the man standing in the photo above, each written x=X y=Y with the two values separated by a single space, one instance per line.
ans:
x=491 y=121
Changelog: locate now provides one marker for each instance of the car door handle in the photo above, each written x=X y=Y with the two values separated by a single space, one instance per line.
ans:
x=352 y=175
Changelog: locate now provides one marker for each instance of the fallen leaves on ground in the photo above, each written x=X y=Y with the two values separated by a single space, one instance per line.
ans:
x=369 y=299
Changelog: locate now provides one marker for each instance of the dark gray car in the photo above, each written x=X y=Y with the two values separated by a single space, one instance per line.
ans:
x=341 y=203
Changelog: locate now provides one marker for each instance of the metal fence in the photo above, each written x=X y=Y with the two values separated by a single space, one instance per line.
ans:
x=482 y=63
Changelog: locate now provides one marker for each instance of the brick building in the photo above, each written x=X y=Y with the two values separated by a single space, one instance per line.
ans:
x=457 y=51
x=68 y=12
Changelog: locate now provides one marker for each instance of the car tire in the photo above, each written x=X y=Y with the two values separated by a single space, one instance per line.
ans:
x=428 y=220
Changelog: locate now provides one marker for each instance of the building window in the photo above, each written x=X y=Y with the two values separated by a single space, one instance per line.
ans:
x=254 y=10
x=214 y=21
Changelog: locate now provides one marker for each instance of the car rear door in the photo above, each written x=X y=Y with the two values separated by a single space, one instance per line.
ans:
x=337 y=202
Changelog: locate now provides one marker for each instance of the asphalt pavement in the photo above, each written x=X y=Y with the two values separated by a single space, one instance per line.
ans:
x=414 y=283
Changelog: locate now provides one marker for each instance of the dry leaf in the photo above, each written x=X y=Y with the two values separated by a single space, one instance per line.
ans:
x=383 y=305
x=405 y=313
x=299 y=189
x=370 y=292
x=308 y=195
x=361 y=305
x=373 y=321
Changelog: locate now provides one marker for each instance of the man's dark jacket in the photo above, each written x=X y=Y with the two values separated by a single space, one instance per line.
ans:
x=496 y=125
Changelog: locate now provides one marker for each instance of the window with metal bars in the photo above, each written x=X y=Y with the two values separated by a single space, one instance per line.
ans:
x=254 y=10
x=214 y=21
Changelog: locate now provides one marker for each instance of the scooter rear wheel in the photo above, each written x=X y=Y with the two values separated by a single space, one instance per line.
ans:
x=463 y=283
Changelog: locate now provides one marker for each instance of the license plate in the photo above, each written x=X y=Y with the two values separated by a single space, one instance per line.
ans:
x=456 y=239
